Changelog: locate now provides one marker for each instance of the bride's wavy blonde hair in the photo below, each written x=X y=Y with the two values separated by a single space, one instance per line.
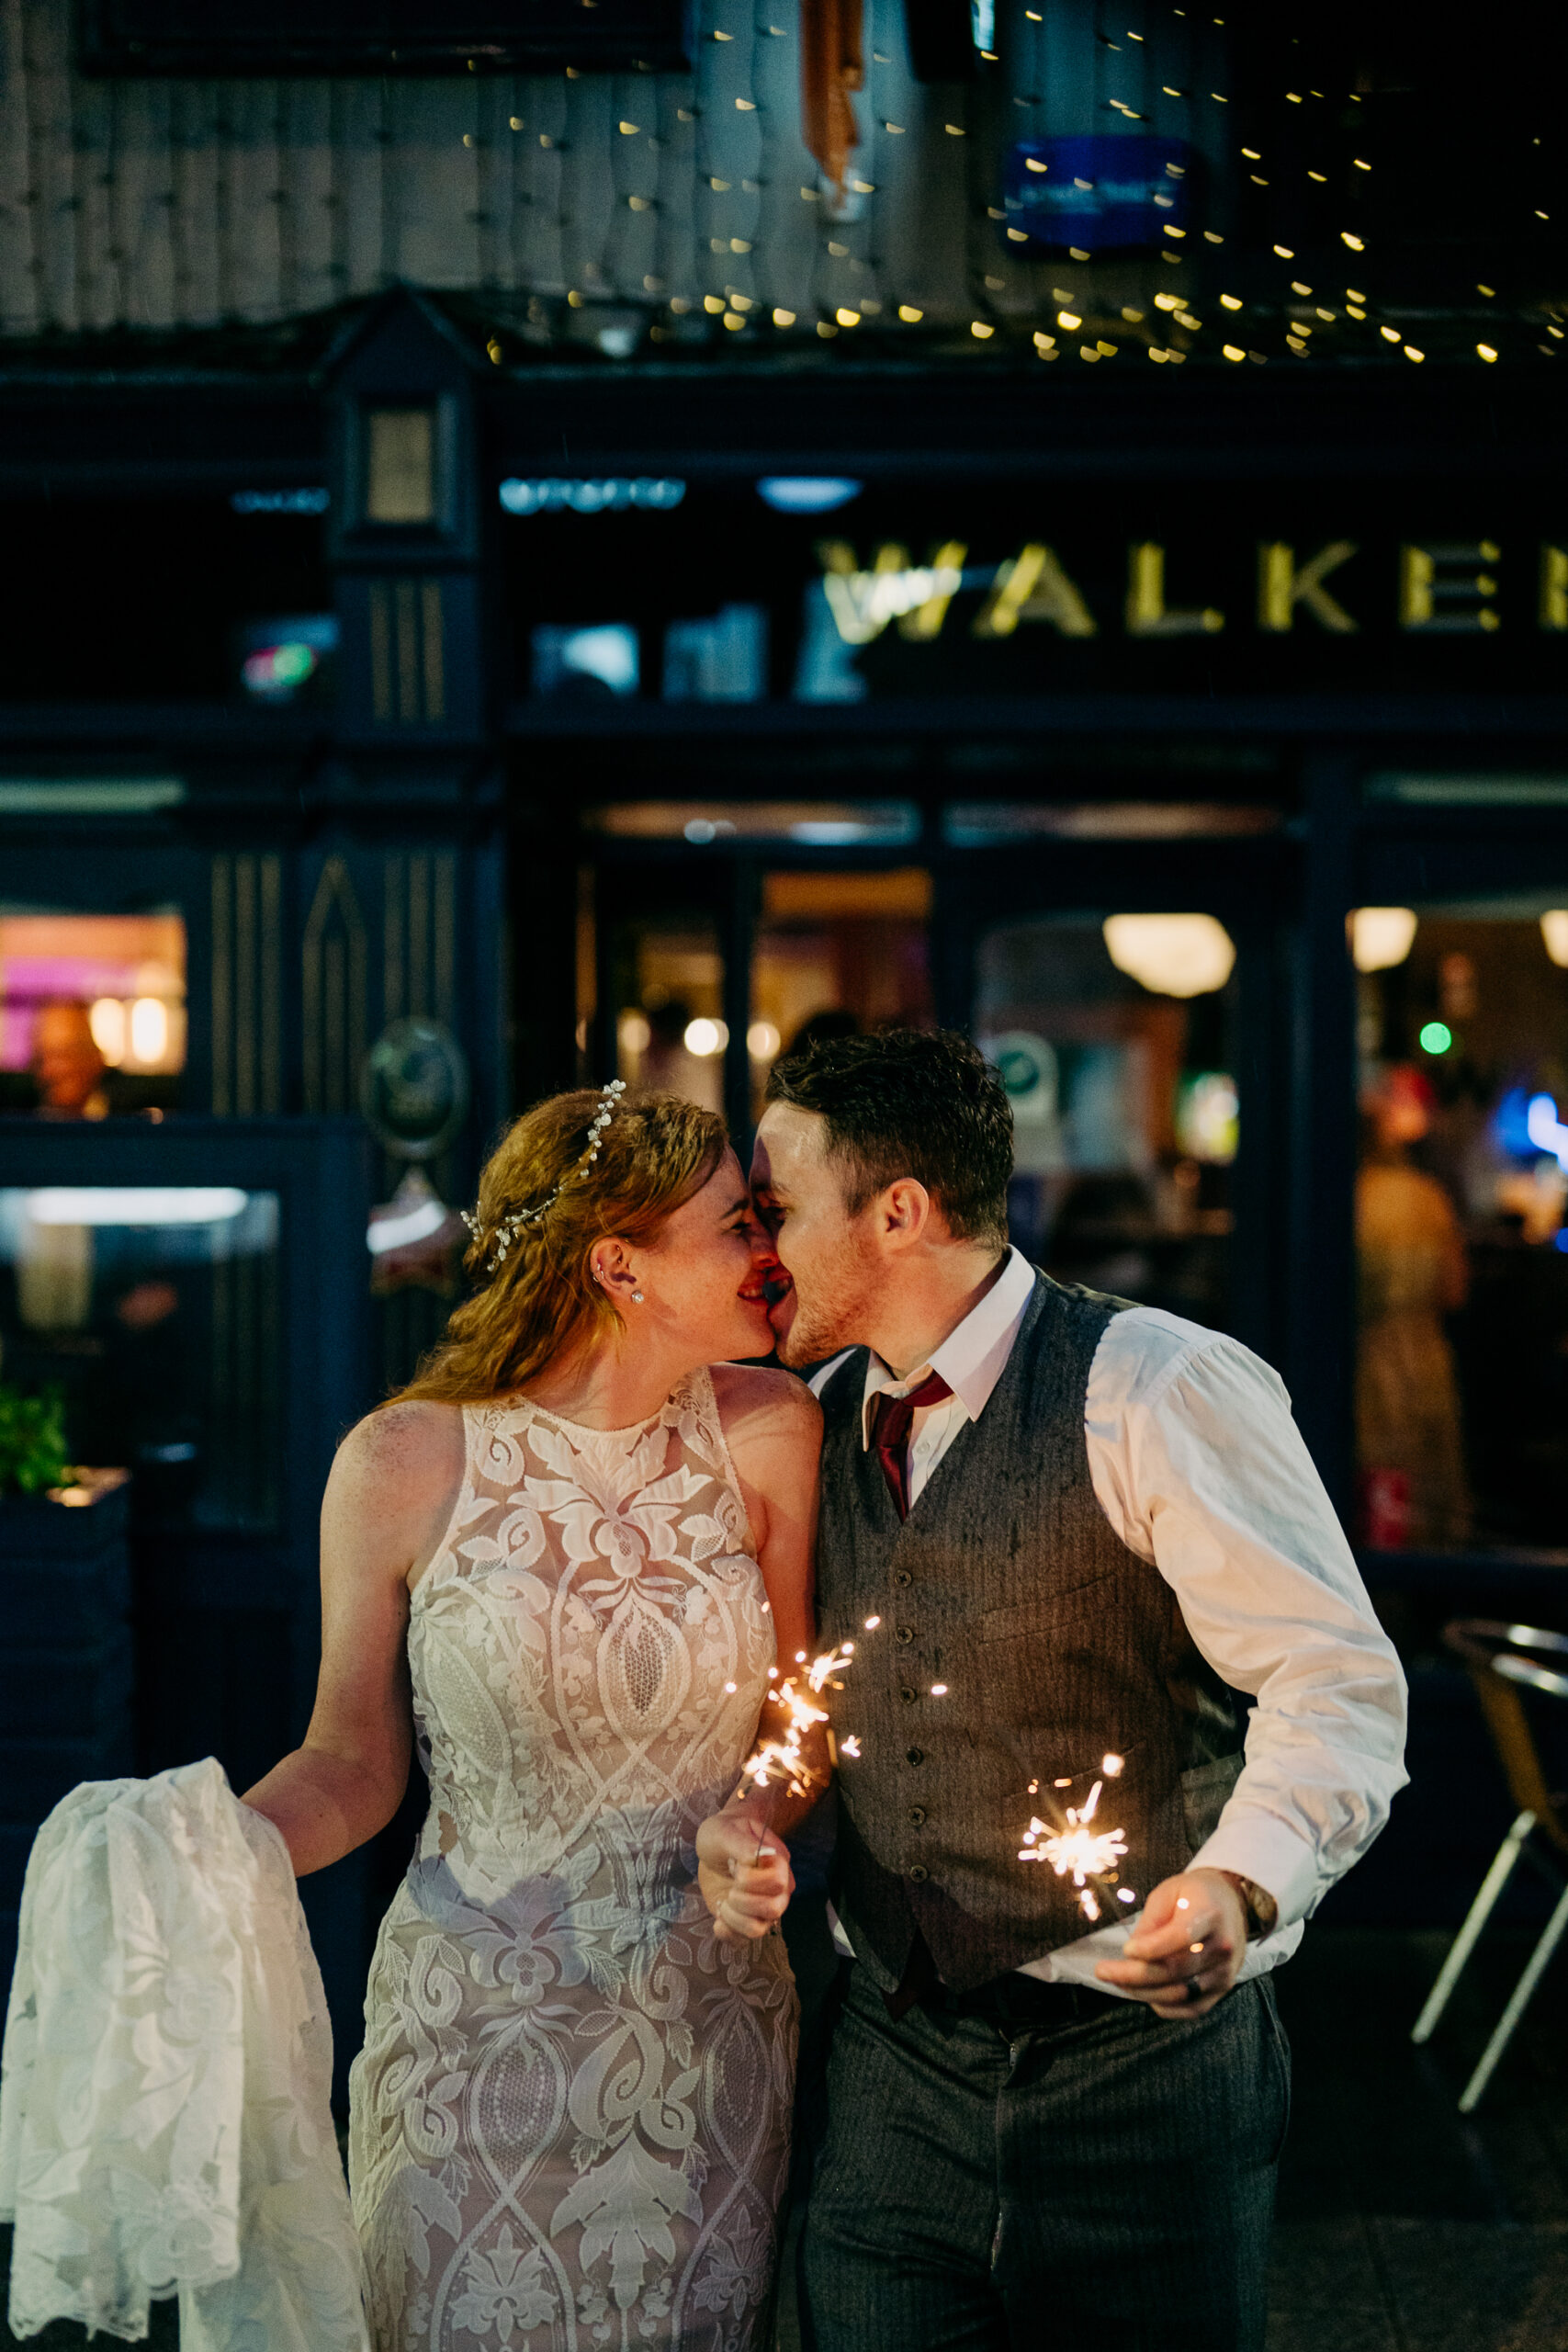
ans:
x=541 y=1300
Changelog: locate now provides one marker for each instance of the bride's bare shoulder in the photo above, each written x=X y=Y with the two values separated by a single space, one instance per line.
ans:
x=757 y=1404
x=397 y=1454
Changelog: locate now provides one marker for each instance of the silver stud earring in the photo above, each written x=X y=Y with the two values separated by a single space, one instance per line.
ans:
x=638 y=1299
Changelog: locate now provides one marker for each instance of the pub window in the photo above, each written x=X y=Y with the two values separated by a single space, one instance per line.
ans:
x=155 y=1312
x=1462 y=1361
x=92 y=1012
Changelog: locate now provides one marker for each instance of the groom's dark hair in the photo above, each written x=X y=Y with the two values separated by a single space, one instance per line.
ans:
x=918 y=1102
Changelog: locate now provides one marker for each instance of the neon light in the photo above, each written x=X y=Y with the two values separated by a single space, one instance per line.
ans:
x=806 y=493
x=280 y=501
x=555 y=496
x=1546 y=1130
x=135 y=1204
x=278 y=669
x=1436 y=1037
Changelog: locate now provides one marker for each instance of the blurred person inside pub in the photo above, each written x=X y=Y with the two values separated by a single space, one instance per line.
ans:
x=1412 y=1273
x=67 y=1066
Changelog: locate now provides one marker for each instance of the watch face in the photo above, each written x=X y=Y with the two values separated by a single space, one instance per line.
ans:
x=413 y=1088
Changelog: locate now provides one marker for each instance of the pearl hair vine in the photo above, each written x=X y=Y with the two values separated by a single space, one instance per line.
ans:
x=509 y=1227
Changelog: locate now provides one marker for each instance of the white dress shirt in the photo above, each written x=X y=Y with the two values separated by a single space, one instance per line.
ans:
x=1201 y=1470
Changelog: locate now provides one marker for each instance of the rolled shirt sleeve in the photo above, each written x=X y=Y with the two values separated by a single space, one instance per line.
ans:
x=1200 y=1469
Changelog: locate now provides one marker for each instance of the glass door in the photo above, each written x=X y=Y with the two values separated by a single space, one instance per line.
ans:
x=1461 y=1225
x=834 y=953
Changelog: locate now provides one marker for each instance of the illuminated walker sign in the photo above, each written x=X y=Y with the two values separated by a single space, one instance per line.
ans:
x=1442 y=589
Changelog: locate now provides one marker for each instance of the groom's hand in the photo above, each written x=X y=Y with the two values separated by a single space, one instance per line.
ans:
x=1184 y=1954
x=743 y=1871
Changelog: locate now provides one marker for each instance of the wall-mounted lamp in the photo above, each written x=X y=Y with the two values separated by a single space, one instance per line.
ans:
x=1171 y=955
x=1381 y=937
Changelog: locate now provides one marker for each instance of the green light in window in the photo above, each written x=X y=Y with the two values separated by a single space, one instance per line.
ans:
x=1437 y=1038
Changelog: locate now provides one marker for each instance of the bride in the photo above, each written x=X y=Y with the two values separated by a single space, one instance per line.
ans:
x=565 y=1560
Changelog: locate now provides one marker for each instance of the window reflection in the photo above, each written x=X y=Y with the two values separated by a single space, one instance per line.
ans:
x=1461 y=1376
x=156 y=1311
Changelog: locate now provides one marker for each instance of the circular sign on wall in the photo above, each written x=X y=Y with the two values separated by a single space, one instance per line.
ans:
x=413 y=1088
x=1027 y=1066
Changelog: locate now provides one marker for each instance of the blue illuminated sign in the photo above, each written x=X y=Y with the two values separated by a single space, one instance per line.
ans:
x=1099 y=195
x=555 y=496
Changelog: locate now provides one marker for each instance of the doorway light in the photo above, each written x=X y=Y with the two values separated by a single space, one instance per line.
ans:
x=806 y=493
x=704 y=1037
x=1171 y=955
x=1554 y=932
x=1381 y=937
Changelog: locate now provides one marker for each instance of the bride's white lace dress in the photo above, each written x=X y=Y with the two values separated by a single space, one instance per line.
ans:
x=570 y=2118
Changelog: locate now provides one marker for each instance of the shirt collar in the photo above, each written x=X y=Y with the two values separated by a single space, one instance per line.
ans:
x=972 y=1358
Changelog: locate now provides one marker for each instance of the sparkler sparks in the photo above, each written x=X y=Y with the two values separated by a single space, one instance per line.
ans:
x=784 y=1758
x=1087 y=1856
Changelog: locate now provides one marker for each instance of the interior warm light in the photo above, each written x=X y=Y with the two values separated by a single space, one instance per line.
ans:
x=634 y=1033
x=1554 y=932
x=106 y=1022
x=149 y=1030
x=704 y=1037
x=1381 y=937
x=1171 y=955
x=762 y=1040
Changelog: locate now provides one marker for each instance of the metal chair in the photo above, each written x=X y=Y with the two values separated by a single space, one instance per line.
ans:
x=1500 y=1669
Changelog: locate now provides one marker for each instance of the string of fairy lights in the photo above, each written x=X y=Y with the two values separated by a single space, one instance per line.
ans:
x=1278 y=258
x=652 y=214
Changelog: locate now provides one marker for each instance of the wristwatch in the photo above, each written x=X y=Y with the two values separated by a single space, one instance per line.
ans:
x=1263 y=1911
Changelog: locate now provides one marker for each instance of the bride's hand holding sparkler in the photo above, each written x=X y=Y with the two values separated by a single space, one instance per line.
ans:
x=742 y=1864
x=743 y=1870
x=1184 y=1953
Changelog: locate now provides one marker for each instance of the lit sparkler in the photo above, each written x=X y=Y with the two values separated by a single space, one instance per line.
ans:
x=1078 y=1851
x=784 y=1758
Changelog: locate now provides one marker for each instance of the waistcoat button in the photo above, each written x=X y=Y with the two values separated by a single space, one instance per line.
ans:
x=903 y=1576
x=918 y=1815
x=918 y=1872
x=907 y=1695
x=915 y=1755
x=903 y=1633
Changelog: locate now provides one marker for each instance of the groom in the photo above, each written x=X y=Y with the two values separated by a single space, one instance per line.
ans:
x=1064 y=1533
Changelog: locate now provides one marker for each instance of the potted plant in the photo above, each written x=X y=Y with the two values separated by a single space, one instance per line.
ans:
x=65 y=1653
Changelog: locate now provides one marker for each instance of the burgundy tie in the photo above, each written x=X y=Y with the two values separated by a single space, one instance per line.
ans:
x=890 y=1419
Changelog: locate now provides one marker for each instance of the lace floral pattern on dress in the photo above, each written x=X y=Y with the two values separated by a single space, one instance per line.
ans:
x=570 y=2118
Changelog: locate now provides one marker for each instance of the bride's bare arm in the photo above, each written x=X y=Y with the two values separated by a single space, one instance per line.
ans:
x=774 y=1425
x=386 y=1504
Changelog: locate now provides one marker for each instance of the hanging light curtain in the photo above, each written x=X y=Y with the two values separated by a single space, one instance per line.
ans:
x=831 y=65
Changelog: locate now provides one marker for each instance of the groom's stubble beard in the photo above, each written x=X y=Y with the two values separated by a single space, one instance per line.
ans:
x=834 y=1309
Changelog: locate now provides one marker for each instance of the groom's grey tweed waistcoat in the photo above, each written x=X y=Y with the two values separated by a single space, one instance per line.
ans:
x=1057 y=1645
